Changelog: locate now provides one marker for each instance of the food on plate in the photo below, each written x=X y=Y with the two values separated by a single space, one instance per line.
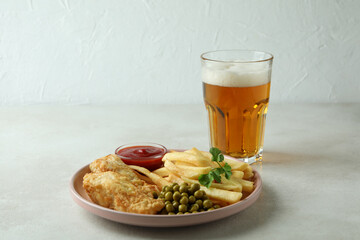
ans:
x=228 y=180
x=190 y=181
x=114 y=185
x=112 y=163
x=147 y=155
x=207 y=179
x=185 y=199
x=159 y=181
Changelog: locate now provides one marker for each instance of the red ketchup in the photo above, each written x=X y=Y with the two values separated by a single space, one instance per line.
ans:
x=147 y=155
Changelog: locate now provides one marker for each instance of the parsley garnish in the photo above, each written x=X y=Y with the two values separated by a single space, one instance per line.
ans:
x=215 y=173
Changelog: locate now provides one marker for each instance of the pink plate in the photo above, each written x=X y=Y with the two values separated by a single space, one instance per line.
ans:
x=80 y=197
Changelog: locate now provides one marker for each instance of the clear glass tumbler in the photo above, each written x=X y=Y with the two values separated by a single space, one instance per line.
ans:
x=236 y=88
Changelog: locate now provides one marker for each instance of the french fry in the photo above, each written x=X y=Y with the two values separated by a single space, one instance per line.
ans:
x=173 y=178
x=248 y=173
x=200 y=154
x=219 y=202
x=200 y=170
x=248 y=169
x=172 y=168
x=163 y=172
x=159 y=181
x=144 y=178
x=238 y=185
x=236 y=165
x=203 y=155
x=207 y=155
x=237 y=174
x=182 y=163
x=247 y=185
x=223 y=195
x=191 y=158
x=180 y=171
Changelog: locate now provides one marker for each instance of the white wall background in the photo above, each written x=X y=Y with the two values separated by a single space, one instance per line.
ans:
x=132 y=51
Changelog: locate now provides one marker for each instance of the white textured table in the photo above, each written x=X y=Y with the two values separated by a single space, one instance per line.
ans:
x=311 y=170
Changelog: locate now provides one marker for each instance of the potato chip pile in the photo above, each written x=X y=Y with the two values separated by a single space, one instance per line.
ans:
x=187 y=166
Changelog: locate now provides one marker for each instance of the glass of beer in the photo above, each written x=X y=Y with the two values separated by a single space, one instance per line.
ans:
x=236 y=88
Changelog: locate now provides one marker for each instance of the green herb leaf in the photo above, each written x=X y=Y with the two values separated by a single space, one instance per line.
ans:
x=215 y=173
x=220 y=158
x=215 y=153
x=227 y=171
x=218 y=171
x=206 y=179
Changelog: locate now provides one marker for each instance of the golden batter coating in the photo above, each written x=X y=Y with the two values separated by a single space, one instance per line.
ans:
x=114 y=185
x=112 y=163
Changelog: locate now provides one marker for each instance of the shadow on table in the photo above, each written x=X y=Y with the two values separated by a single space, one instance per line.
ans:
x=274 y=158
x=260 y=213
x=279 y=157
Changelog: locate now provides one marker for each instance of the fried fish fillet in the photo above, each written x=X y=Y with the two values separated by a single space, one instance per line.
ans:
x=112 y=163
x=114 y=185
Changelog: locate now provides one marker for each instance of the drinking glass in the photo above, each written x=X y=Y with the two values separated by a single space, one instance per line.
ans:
x=236 y=90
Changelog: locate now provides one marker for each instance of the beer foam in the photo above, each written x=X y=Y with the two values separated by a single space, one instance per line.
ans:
x=235 y=74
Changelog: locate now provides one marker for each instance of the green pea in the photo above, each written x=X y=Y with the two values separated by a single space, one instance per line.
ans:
x=176 y=196
x=194 y=211
x=192 y=199
x=180 y=213
x=204 y=197
x=194 y=207
x=198 y=194
x=176 y=188
x=176 y=205
x=169 y=196
x=186 y=213
x=207 y=204
x=162 y=195
x=184 y=194
x=200 y=203
x=168 y=189
x=195 y=187
x=184 y=200
x=182 y=208
x=167 y=202
x=211 y=209
x=183 y=189
x=170 y=208
x=217 y=206
x=171 y=213
x=173 y=185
